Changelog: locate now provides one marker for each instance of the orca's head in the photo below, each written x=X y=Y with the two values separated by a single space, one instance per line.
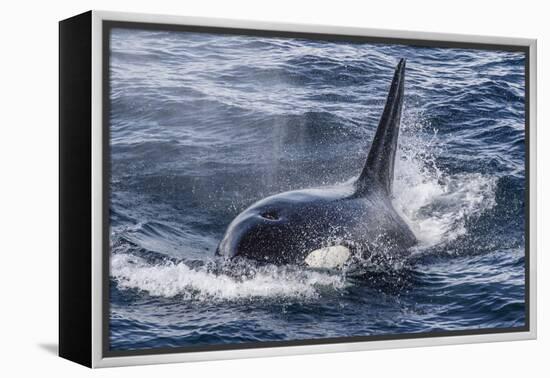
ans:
x=282 y=229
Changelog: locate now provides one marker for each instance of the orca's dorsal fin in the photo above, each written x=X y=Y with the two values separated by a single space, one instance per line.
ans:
x=378 y=170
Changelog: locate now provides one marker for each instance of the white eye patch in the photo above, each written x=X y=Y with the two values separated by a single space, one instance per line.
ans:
x=328 y=257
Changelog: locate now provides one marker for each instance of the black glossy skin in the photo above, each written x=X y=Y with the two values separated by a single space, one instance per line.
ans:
x=285 y=228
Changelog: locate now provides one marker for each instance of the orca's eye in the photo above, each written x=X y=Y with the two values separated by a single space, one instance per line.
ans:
x=270 y=214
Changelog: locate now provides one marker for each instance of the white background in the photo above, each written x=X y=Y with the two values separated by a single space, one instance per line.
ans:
x=29 y=215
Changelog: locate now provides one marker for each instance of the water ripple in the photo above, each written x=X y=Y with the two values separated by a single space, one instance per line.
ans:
x=204 y=125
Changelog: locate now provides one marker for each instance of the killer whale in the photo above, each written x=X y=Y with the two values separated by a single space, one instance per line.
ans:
x=330 y=226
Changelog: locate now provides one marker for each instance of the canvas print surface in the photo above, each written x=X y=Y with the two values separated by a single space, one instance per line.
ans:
x=268 y=189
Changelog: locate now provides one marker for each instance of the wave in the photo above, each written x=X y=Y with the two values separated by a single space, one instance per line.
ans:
x=436 y=205
x=171 y=279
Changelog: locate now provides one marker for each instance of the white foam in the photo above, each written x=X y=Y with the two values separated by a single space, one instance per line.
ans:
x=178 y=279
x=434 y=205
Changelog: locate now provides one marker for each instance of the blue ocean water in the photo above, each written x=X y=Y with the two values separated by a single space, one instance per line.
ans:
x=203 y=125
